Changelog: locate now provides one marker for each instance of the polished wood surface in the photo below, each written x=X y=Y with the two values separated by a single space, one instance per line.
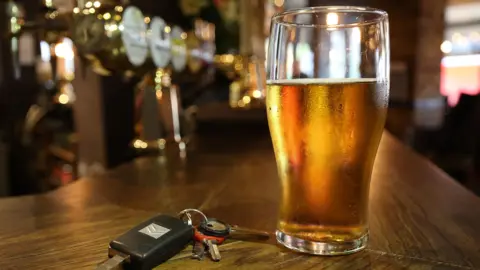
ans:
x=420 y=218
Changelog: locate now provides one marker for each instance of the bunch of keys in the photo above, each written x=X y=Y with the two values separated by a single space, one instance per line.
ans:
x=156 y=240
x=213 y=232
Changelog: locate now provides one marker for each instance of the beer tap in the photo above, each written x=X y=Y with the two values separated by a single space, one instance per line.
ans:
x=247 y=69
x=111 y=37
x=116 y=40
x=183 y=50
x=112 y=48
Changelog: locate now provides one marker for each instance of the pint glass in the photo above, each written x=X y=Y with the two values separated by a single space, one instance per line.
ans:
x=327 y=97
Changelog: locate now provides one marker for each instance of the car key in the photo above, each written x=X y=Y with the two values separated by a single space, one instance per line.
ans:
x=198 y=250
x=211 y=242
x=215 y=227
x=149 y=244
x=213 y=250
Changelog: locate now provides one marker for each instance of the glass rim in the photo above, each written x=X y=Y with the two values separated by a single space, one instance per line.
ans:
x=381 y=16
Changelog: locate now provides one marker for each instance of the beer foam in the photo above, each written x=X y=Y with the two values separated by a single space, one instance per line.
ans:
x=325 y=81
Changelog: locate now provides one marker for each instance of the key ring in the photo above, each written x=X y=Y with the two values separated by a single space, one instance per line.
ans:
x=186 y=213
x=189 y=218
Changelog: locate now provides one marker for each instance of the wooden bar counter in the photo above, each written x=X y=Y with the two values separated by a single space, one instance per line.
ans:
x=420 y=218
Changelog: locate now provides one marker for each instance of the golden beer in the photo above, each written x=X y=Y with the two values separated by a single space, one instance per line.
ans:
x=325 y=134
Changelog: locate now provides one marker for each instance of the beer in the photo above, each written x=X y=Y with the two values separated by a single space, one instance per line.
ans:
x=325 y=135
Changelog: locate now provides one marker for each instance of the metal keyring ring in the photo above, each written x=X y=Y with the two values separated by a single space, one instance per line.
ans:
x=186 y=213
x=189 y=218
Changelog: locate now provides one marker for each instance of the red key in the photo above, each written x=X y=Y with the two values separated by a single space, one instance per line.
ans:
x=200 y=237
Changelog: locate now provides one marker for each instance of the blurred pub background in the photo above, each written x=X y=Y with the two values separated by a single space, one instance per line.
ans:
x=74 y=103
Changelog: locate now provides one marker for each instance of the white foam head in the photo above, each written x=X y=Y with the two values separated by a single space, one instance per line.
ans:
x=324 y=81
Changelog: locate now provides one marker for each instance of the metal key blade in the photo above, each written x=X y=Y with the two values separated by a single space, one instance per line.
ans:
x=213 y=250
x=241 y=233
x=198 y=251
x=114 y=263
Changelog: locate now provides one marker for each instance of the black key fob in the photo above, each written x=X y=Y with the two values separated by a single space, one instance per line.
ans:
x=152 y=242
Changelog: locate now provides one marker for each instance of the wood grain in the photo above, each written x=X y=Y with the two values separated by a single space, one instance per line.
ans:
x=419 y=217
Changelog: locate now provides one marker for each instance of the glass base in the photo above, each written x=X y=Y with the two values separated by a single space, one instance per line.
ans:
x=321 y=248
